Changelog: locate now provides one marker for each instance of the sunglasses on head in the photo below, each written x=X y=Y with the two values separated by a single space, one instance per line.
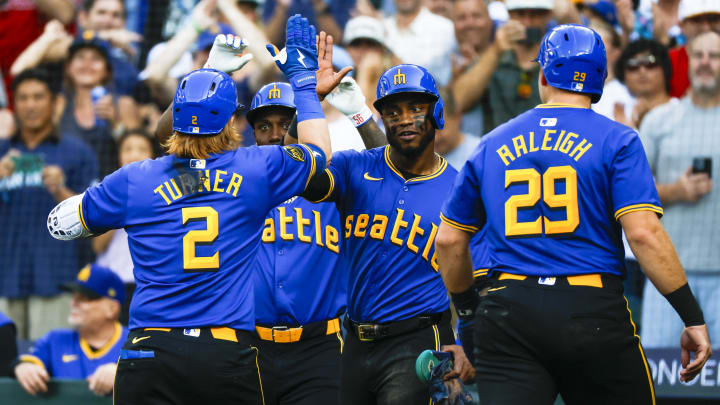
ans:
x=647 y=61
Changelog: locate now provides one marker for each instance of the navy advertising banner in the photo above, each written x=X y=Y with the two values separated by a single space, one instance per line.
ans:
x=665 y=368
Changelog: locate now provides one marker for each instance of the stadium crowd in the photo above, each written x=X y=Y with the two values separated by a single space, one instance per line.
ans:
x=85 y=82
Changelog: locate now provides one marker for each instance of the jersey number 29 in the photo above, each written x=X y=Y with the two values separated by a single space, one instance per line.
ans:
x=208 y=235
x=546 y=183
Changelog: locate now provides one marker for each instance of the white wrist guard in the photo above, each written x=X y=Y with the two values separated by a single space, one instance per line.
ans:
x=64 y=221
x=360 y=118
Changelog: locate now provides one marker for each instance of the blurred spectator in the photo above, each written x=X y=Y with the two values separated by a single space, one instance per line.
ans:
x=683 y=148
x=443 y=8
x=364 y=40
x=7 y=121
x=21 y=22
x=99 y=19
x=90 y=350
x=473 y=31
x=645 y=67
x=451 y=142
x=660 y=21
x=8 y=345
x=697 y=17
x=418 y=36
x=328 y=16
x=112 y=247
x=507 y=68
x=38 y=169
x=615 y=94
x=88 y=108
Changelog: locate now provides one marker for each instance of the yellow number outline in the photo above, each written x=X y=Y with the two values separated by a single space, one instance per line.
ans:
x=208 y=235
x=579 y=77
x=535 y=182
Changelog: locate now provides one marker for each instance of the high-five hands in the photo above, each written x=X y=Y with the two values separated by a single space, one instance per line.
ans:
x=226 y=54
x=298 y=60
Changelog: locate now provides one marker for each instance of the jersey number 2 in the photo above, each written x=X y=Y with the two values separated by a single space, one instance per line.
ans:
x=202 y=263
x=568 y=201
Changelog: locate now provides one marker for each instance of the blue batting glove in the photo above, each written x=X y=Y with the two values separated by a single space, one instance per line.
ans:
x=298 y=60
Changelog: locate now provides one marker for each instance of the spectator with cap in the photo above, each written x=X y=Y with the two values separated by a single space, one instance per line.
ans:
x=420 y=37
x=364 y=40
x=8 y=345
x=507 y=69
x=38 y=168
x=683 y=148
x=645 y=68
x=100 y=19
x=91 y=349
x=696 y=17
x=473 y=31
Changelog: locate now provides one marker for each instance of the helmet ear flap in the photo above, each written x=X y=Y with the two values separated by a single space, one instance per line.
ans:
x=438 y=113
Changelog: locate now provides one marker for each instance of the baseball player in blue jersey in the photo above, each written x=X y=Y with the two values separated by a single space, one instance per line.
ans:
x=194 y=221
x=300 y=281
x=91 y=349
x=389 y=198
x=554 y=187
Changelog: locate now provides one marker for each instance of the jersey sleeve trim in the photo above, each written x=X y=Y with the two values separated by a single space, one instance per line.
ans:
x=457 y=225
x=29 y=358
x=312 y=163
x=480 y=273
x=638 y=207
x=82 y=218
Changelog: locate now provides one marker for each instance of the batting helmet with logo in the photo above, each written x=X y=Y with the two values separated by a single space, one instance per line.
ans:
x=410 y=79
x=572 y=57
x=204 y=102
x=278 y=94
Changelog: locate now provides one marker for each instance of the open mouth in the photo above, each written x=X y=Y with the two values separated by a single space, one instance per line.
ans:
x=407 y=135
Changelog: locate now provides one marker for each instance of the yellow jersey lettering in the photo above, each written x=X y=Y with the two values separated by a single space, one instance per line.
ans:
x=546 y=139
x=568 y=142
x=434 y=262
x=284 y=220
x=234 y=184
x=533 y=148
x=218 y=180
x=159 y=189
x=268 y=234
x=505 y=154
x=348 y=225
x=399 y=223
x=580 y=148
x=331 y=239
x=174 y=195
x=318 y=229
x=414 y=230
x=301 y=222
x=557 y=143
x=429 y=244
x=377 y=231
x=519 y=143
x=360 y=225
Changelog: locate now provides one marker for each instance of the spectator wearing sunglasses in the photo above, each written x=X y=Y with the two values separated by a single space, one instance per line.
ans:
x=645 y=68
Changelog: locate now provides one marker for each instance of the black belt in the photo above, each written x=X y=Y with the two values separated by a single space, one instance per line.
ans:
x=369 y=332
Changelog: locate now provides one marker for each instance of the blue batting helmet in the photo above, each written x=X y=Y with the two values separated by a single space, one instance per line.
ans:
x=278 y=94
x=204 y=102
x=411 y=79
x=572 y=57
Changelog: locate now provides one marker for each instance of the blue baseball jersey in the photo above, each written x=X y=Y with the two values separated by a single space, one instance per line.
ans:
x=194 y=226
x=64 y=354
x=551 y=185
x=301 y=277
x=389 y=225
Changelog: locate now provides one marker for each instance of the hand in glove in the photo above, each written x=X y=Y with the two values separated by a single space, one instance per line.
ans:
x=225 y=54
x=349 y=99
x=298 y=60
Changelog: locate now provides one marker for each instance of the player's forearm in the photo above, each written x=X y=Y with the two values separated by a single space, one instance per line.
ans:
x=453 y=255
x=63 y=10
x=371 y=134
x=164 y=126
x=64 y=221
x=654 y=250
x=471 y=85
x=315 y=131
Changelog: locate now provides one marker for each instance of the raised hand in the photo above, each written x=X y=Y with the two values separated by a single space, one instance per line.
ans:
x=226 y=54
x=298 y=60
x=327 y=78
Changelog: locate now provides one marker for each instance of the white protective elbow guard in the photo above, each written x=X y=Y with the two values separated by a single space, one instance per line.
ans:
x=64 y=221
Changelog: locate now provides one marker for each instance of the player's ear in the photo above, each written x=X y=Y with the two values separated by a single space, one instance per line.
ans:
x=543 y=80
